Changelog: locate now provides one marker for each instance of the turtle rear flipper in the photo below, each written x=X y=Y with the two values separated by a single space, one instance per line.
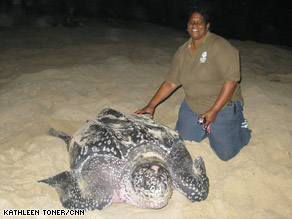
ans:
x=75 y=194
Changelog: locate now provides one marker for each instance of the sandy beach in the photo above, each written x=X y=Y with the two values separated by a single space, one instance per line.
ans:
x=60 y=77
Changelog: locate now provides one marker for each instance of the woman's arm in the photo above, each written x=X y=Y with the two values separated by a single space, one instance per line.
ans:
x=163 y=92
x=225 y=95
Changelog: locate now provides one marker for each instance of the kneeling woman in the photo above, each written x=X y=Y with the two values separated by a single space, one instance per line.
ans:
x=208 y=69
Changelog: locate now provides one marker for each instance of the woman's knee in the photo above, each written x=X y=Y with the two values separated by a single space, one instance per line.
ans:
x=225 y=149
x=226 y=156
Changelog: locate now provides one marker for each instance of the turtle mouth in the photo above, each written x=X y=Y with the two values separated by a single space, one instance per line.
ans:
x=151 y=181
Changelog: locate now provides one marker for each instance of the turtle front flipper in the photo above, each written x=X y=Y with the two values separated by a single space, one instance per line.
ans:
x=194 y=186
x=66 y=138
x=77 y=194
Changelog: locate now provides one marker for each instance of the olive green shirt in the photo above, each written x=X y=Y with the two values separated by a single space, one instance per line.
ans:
x=202 y=74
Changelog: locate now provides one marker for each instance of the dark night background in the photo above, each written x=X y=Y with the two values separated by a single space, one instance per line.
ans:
x=261 y=21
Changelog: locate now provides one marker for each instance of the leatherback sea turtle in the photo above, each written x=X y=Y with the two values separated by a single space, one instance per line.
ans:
x=127 y=158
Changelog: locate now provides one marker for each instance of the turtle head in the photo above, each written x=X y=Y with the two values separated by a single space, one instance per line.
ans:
x=151 y=181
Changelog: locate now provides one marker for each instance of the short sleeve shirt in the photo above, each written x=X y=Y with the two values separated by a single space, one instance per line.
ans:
x=202 y=74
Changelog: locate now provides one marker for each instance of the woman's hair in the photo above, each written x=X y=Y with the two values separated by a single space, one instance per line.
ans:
x=201 y=10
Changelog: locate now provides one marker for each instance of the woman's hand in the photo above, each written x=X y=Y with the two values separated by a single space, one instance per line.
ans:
x=146 y=110
x=210 y=116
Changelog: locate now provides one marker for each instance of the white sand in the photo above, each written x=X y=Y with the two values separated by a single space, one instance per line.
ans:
x=58 y=77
